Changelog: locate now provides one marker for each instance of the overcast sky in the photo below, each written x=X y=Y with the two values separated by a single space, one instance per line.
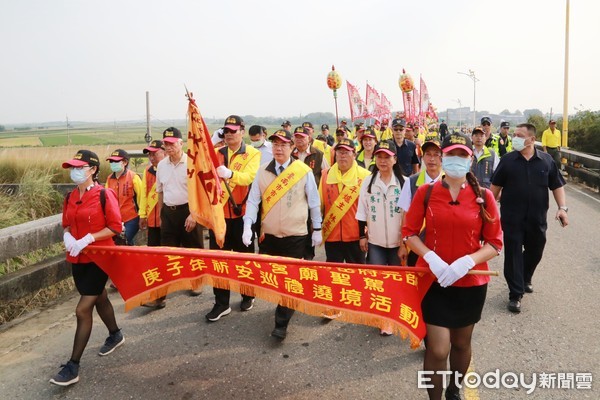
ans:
x=94 y=61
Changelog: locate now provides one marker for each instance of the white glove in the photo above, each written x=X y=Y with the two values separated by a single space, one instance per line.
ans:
x=436 y=264
x=247 y=234
x=217 y=136
x=317 y=238
x=457 y=270
x=81 y=244
x=69 y=240
x=224 y=172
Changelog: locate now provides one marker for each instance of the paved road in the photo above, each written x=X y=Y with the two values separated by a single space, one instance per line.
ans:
x=174 y=354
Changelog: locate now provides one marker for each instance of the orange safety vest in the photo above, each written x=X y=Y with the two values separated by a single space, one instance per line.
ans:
x=123 y=187
x=347 y=229
x=153 y=214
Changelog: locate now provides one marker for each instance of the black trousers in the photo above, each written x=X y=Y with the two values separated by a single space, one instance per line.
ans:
x=172 y=228
x=340 y=252
x=153 y=236
x=523 y=249
x=233 y=241
x=291 y=246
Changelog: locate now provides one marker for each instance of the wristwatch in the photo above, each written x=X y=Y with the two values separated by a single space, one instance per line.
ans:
x=565 y=208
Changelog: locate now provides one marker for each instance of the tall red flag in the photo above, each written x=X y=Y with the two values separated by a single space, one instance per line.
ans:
x=425 y=103
x=204 y=186
x=358 y=108
x=372 y=100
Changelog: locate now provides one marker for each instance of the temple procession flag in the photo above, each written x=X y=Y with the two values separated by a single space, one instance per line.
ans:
x=372 y=295
x=204 y=186
x=425 y=103
x=386 y=105
x=372 y=101
x=358 y=108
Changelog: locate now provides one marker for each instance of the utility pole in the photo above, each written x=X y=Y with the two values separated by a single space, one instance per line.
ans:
x=565 y=124
x=471 y=75
x=68 y=134
x=148 y=136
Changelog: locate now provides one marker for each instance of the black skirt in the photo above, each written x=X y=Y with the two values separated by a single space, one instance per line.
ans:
x=89 y=279
x=453 y=307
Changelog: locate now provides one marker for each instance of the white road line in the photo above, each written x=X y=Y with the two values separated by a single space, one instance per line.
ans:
x=583 y=193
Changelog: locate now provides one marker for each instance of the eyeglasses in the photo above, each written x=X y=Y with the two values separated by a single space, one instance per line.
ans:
x=80 y=168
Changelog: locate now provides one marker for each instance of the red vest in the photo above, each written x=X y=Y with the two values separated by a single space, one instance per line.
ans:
x=347 y=229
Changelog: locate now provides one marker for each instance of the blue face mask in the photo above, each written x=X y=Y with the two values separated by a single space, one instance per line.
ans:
x=456 y=167
x=79 y=176
x=116 y=166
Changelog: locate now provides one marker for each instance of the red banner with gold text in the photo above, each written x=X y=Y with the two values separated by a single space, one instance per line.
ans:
x=378 y=296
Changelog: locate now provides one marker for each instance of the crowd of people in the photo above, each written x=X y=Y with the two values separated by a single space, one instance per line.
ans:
x=393 y=193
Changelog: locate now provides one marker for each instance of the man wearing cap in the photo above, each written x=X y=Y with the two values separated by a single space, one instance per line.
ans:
x=177 y=225
x=128 y=187
x=551 y=142
x=339 y=190
x=315 y=160
x=237 y=169
x=485 y=160
x=149 y=212
x=328 y=138
x=406 y=151
x=344 y=126
x=366 y=156
x=524 y=177
x=307 y=153
x=490 y=138
x=258 y=140
x=443 y=130
x=308 y=127
x=385 y=133
x=504 y=142
x=287 y=125
x=431 y=173
x=285 y=215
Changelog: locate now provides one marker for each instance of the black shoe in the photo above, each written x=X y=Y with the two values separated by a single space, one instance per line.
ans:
x=217 y=312
x=528 y=288
x=279 y=332
x=247 y=304
x=452 y=395
x=514 y=306
x=68 y=375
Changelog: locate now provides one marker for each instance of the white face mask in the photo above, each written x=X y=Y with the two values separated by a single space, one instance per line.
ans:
x=78 y=176
x=456 y=167
x=518 y=143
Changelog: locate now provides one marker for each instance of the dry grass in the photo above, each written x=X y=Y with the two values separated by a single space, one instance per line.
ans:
x=13 y=309
x=35 y=199
x=20 y=262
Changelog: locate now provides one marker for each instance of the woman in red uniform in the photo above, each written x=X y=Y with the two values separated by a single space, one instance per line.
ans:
x=87 y=220
x=462 y=233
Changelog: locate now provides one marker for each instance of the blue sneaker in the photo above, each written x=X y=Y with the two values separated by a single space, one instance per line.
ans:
x=112 y=342
x=68 y=375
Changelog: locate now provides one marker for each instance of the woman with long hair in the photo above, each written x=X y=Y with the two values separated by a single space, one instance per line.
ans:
x=463 y=232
